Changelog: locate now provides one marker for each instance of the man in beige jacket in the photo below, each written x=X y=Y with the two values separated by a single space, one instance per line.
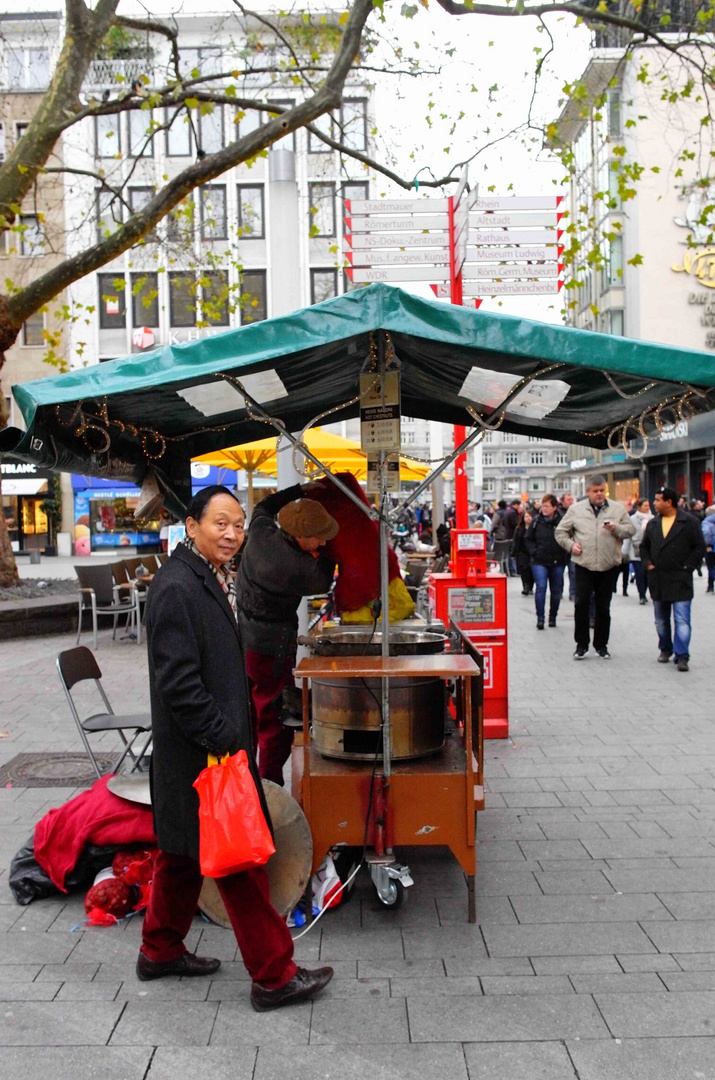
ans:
x=592 y=531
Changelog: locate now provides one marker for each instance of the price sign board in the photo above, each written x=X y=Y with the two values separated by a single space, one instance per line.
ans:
x=392 y=466
x=470 y=541
x=380 y=411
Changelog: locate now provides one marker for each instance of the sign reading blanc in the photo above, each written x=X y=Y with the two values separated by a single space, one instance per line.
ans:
x=400 y=240
x=380 y=411
x=396 y=206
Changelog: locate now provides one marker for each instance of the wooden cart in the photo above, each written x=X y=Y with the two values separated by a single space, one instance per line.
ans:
x=427 y=802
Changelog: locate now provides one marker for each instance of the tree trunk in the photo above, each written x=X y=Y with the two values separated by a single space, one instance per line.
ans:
x=8 y=566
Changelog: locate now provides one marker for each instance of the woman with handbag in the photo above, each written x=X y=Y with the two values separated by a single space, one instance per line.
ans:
x=200 y=706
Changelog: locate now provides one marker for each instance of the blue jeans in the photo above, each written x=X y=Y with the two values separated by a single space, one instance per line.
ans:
x=679 y=642
x=554 y=577
x=641 y=579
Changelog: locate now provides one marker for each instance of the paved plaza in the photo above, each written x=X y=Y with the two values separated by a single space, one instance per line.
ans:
x=593 y=957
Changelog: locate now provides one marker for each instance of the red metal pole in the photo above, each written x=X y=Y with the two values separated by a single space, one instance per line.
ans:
x=461 y=488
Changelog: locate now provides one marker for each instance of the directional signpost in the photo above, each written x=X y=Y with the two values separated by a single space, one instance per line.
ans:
x=466 y=246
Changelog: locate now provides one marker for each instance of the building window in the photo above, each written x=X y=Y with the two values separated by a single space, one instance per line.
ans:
x=562 y=457
x=214 y=298
x=322 y=209
x=178 y=136
x=537 y=484
x=107 y=137
x=145 y=299
x=253 y=296
x=33 y=330
x=489 y=437
x=489 y=486
x=615 y=261
x=511 y=458
x=182 y=299
x=207 y=60
x=617 y=322
x=139 y=197
x=323 y=285
x=355 y=190
x=249 y=120
x=112 y=301
x=408 y=438
x=325 y=124
x=27 y=69
x=487 y=458
x=508 y=438
x=2 y=142
x=20 y=130
x=250 y=212
x=288 y=141
x=211 y=131
x=180 y=223
x=141 y=143
x=537 y=458
x=108 y=212
x=32 y=239
x=353 y=124
x=213 y=212
x=614 y=112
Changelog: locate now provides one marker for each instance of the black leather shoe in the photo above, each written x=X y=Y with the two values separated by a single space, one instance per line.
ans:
x=304 y=984
x=188 y=964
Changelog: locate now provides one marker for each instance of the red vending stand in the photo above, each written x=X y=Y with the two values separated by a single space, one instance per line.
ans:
x=476 y=599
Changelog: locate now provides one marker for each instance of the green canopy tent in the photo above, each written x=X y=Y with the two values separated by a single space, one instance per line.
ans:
x=167 y=406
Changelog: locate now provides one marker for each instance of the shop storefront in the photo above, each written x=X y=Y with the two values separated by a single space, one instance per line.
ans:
x=24 y=490
x=684 y=458
x=104 y=512
x=624 y=476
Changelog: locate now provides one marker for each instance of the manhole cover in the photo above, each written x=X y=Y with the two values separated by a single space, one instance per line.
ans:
x=53 y=770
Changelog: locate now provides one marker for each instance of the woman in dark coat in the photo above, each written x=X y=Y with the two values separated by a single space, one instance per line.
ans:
x=521 y=555
x=200 y=706
x=548 y=560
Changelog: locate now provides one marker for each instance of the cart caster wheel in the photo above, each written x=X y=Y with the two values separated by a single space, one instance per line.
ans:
x=394 y=896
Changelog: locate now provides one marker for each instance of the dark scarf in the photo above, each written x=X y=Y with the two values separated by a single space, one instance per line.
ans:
x=224 y=574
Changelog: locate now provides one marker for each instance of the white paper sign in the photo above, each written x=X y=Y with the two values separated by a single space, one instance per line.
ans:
x=486 y=387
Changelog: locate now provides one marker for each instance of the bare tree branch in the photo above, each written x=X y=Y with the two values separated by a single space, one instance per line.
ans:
x=150 y=26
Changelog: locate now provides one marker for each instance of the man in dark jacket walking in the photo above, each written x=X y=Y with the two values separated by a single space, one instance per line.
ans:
x=280 y=565
x=200 y=706
x=548 y=560
x=671 y=549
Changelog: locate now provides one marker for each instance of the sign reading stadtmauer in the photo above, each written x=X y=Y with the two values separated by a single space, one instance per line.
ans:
x=396 y=206
x=380 y=411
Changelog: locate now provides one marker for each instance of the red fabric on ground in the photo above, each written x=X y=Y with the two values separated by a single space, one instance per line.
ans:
x=94 y=817
x=355 y=548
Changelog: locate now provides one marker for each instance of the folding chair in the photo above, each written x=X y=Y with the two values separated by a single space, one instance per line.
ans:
x=100 y=594
x=78 y=665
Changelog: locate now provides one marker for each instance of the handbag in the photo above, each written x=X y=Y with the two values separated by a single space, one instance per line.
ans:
x=233 y=831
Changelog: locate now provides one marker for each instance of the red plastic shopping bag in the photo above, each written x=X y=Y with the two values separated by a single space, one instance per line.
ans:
x=233 y=831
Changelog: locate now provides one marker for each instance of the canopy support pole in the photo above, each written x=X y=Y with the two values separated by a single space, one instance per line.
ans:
x=384 y=574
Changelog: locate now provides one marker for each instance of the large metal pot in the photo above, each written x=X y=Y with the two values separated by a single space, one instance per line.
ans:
x=346 y=717
x=361 y=641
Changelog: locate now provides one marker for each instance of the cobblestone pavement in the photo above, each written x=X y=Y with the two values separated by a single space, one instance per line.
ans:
x=594 y=955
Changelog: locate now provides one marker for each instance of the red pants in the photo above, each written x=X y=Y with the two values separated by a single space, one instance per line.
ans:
x=263 y=937
x=271 y=739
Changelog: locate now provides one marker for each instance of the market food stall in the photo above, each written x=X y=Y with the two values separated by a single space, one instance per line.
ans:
x=143 y=418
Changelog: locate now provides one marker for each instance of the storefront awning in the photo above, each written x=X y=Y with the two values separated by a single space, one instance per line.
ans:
x=165 y=407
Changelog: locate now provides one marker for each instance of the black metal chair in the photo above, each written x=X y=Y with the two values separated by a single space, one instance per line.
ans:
x=79 y=665
x=100 y=594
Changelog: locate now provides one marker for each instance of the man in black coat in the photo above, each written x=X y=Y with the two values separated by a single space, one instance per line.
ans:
x=671 y=549
x=279 y=566
x=200 y=705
